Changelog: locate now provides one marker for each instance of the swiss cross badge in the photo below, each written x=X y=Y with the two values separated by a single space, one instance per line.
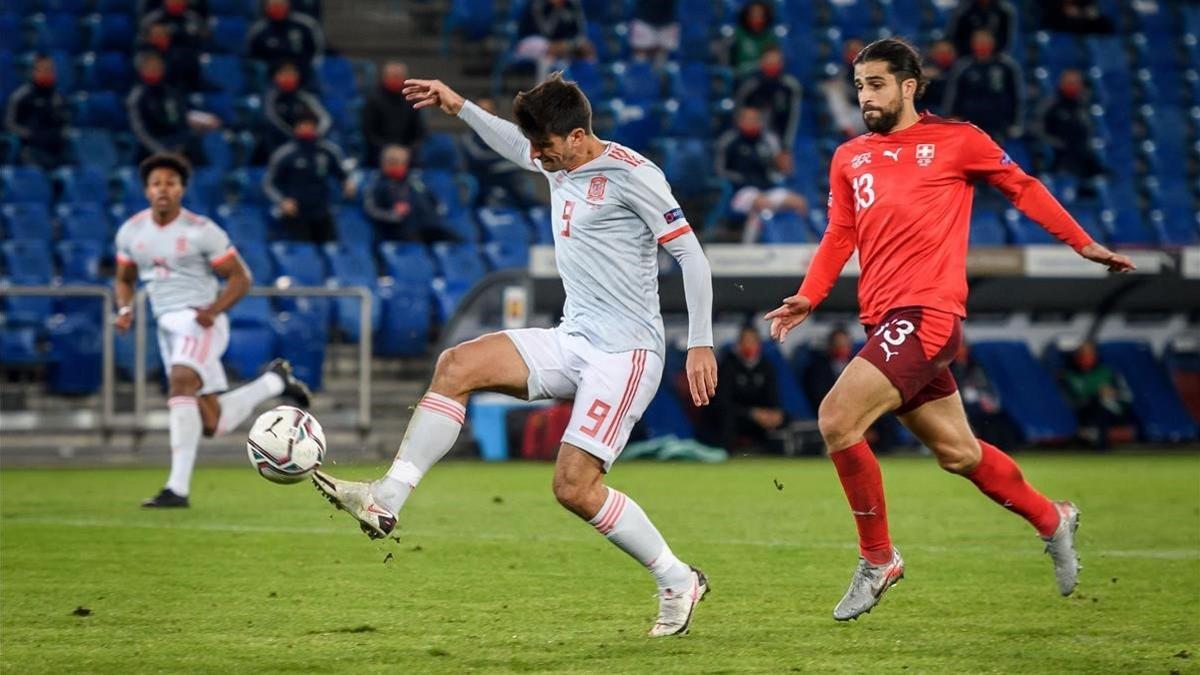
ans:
x=925 y=154
x=596 y=188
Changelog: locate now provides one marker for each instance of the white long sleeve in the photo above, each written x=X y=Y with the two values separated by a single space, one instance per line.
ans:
x=697 y=287
x=501 y=135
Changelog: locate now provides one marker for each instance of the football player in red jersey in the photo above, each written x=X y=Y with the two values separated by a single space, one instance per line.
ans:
x=901 y=195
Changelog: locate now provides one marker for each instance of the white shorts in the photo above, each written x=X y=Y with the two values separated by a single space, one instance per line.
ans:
x=743 y=200
x=183 y=342
x=611 y=391
x=643 y=36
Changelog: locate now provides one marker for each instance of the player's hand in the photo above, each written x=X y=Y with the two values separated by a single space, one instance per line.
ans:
x=289 y=207
x=787 y=316
x=424 y=93
x=701 y=374
x=124 y=319
x=205 y=316
x=1115 y=262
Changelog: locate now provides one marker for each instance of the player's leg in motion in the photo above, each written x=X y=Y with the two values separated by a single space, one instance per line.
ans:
x=579 y=486
x=861 y=394
x=224 y=412
x=942 y=426
x=185 y=430
x=490 y=363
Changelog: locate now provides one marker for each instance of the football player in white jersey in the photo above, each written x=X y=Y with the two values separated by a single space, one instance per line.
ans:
x=612 y=209
x=178 y=255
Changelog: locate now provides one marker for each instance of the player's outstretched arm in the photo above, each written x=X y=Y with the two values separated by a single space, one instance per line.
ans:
x=425 y=93
x=501 y=135
x=1115 y=262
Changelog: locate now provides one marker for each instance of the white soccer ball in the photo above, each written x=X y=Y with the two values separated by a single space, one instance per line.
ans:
x=286 y=444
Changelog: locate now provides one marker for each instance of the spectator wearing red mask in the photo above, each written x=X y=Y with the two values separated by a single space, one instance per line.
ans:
x=145 y=7
x=746 y=411
x=388 y=118
x=1066 y=125
x=298 y=181
x=399 y=205
x=1098 y=396
x=284 y=103
x=752 y=159
x=286 y=36
x=776 y=94
x=186 y=28
x=842 y=96
x=997 y=17
x=754 y=34
x=985 y=89
x=37 y=115
x=937 y=74
x=159 y=115
x=182 y=63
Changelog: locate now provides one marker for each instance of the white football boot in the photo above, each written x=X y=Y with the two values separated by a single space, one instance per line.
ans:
x=675 y=607
x=356 y=499
x=1061 y=547
x=868 y=585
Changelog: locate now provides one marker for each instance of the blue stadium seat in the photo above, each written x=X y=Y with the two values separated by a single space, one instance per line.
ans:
x=64 y=6
x=247 y=184
x=407 y=262
x=27 y=221
x=1161 y=415
x=110 y=31
x=665 y=416
x=1030 y=396
x=245 y=223
x=218 y=151
x=83 y=221
x=353 y=265
x=637 y=125
x=250 y=348
x=301 y=261
x=853 y=17
x=784 y=228
x=223 y=72
x=688 y=166
x=438 y=151
x=791 y=394
x=235 y=8
x=19 y=346
x=82 y=184
x=101 y=109
x=302 y=342
x=94 y=149
x=502 y=223
x=258 y=259
x=106 y=71
x=80 y=261
x=206 y=190
x=1022 y=231
x=448 y=293
x=124 y=352
x=447 y=188
x=353 y=227
x=637 y=82
x=506 y=255
x=116 y=6
x=76 y=364
x=228 y=34
x=589 y=78
x=1125 y=225
x=459 y=261
x=539 y=222
x=24 y=185
x=252 y=310
x=337 y=76
x=29 y=264
x=55 y=32
x=220 y=103
x=987 y=228
x=701 y=81
x=690 y=117
x=1179 y=224
x=12 y=34
x=472 y=19
x=405 y=323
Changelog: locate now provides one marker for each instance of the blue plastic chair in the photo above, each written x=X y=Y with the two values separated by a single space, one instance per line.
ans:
x=1161 y=415
x=101 y=109
x=637 y=82
x=224 y=72
x=82 y=184
x=244 y=223
x=29 y=264
x=459 y=262
x=258 y=259
x=1031 y=397
x=28 y=221
x=24 y=185
x=94 y=149
x=438 y=151
x=85 y=221
x=58 y=31
x=80 y=260
x=337 y=76
x=228 y=34
x=407 y=262
x=106 y=71
x=110 y=31
x=353 y=227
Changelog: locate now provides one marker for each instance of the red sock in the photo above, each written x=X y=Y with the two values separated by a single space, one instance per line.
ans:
x=863 y=483
x=999 y=477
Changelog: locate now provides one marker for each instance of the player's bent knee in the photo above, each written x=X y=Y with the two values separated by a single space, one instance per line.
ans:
x=184 y=382
x=451 y=372
x=959 y=458
x=571 y=494
x=835 y=426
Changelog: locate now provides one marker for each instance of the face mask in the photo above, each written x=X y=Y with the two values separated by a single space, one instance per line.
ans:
x=750 y=130
x=983 y=51
x=756 y=24
x=152 y=77
x=944 y=60
x=396 y=172
x=840 y=353
x=175 y=7
x=393 y=84
x=772 y=70
x=277 y=12
x=161 y=41
x=750 y=352
x=1071 y=91
x=1086 y=361
x=308 y=133
x=287 y=81
x=44 y=80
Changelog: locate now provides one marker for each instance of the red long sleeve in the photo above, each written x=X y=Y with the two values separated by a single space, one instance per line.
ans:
x=839 y=240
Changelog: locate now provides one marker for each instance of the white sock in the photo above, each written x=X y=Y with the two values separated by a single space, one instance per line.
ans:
x=237 y=404
x=185 y=437
x=625 y=524
x=431 y=432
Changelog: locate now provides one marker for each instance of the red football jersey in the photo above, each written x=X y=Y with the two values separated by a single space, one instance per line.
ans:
x=904 y=201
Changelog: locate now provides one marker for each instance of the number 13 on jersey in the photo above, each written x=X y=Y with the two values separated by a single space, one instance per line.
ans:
x=864 y=191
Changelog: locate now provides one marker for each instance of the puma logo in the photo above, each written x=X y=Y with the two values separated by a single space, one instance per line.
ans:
x=894 y=154
x=863 y=513
x=888 y=354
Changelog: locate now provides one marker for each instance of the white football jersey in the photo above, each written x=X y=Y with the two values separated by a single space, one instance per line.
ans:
x=175 y=260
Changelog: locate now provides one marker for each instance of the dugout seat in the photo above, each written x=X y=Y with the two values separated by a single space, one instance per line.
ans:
x=1031 y=397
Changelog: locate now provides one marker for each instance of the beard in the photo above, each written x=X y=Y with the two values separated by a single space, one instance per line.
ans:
x=884 y=122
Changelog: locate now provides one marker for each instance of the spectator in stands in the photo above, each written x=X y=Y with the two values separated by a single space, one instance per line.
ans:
x=297 y=182
x=654 y=31
x=746 y=409
x=754 y=33
x=776 y=94
x=283 y=36
x=159 y=116
x=552 y=31
x=981 y=401
x=187 y=28
x=37 y=115
x=399 y=205
x=284 y=103
x=751 y=158
x=937 y=71
x=824 y=369
x=147 y=6
x=1096 y=394
x=499 y=179
x=841 y=95
x=998 y=17
x=1075 y=16
x=182 y=63
x=388 y=118
x=1066 y=126
x=986 y=89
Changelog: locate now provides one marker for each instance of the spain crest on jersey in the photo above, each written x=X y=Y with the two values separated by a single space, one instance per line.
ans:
x=596 y=188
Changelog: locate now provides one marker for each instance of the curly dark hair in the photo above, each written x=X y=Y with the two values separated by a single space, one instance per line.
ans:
x=176 y=163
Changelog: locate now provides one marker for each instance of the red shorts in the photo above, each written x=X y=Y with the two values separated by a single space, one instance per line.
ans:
x=913 y=347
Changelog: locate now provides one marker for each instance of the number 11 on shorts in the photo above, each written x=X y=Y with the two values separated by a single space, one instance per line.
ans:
x=598 y=412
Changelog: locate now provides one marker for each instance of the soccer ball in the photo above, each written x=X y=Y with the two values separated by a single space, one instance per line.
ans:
x=286 y=444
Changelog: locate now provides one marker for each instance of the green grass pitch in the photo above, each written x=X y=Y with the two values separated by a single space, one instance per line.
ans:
x=491 y=575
